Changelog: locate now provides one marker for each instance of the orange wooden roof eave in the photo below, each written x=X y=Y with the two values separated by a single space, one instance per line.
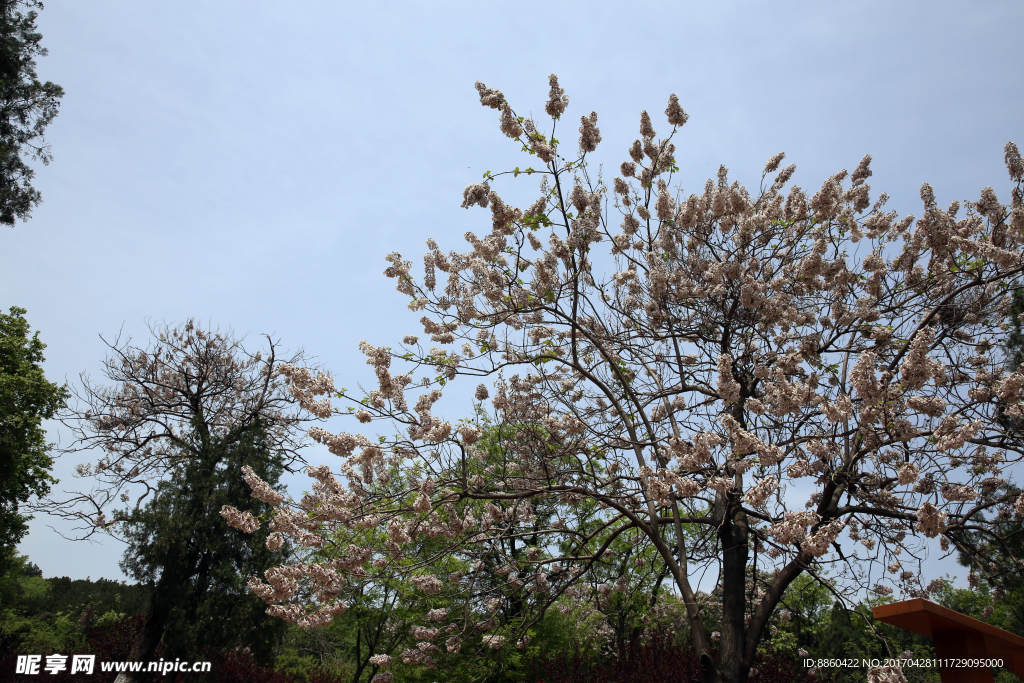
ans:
x=921 y=616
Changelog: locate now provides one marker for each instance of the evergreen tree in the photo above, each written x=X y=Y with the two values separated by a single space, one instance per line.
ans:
x=180 y=544
x=1014 y=344
x=176 y=431
x=27 y=106
x=1013 y=349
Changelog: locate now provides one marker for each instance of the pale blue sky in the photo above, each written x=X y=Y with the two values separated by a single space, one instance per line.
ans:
x=251 y=163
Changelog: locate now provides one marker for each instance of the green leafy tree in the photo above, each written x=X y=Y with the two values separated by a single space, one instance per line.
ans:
x=185 y=419
x=179 y=537
x=26 y=398
x=1014 y=344
x=999 y=583
x=1013 y=352
x=27 y=106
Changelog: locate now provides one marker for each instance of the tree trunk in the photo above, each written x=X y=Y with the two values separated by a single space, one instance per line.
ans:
x=157 y=615
x=147 y=641
x=733 y=534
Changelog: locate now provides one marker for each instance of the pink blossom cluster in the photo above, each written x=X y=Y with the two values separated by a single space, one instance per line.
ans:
x=431 y=585
x=917 y=368
x=260 y=489
x=950 y=435
x=494 y=642
x=818 y=543
x=958 y=492
x=239 y=520
x=757 y=495
x=728 y=387
x=931 y=521
x=304 y=387
x=792 y=528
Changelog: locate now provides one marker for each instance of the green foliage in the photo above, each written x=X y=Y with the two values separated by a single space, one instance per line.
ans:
x=26 y=398
x=180 y=539
x=1013 y=348
x=79 y=596
x=27 y=106
x=306 y=653
x=1014 y=343
x=54 y=633
x=51 y=615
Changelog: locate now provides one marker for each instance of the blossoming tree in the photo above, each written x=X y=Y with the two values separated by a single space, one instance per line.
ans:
x=738 y=393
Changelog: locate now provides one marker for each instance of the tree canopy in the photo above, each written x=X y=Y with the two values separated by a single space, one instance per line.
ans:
x=186 y=418
x=181 y=525
x=769 y=385
x=27 y=106
x=26 y=399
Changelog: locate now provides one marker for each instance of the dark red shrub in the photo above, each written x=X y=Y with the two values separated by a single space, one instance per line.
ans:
x=658 y=657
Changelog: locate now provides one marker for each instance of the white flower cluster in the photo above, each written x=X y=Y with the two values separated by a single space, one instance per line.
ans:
x=931 y=521
x=339 y=444
x=590 y=134
x=758 y=495
x=908 y=474
x=283 y=583
x=430 y=585
x=958 y=492
x=886 y=674
x=917 y=368
x=239 y=520
x=950 y=435
x=389 y=387
x=800 y=468
x=728 y=387
x=720 y=484
x=818 y=543
x=397 y=532
x=275 y=541
x=695 y=455
x=424 y=632
x=862 y=377
x=793 y=527
x=932 y=406
x=260 y=489
x=494 y=642
x=838 y=410
x=304 y=387
x=1011 y=387
x=470 y=433
x=685 y=487
x=415 y=656
x=327 y=582
x=298 y=615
